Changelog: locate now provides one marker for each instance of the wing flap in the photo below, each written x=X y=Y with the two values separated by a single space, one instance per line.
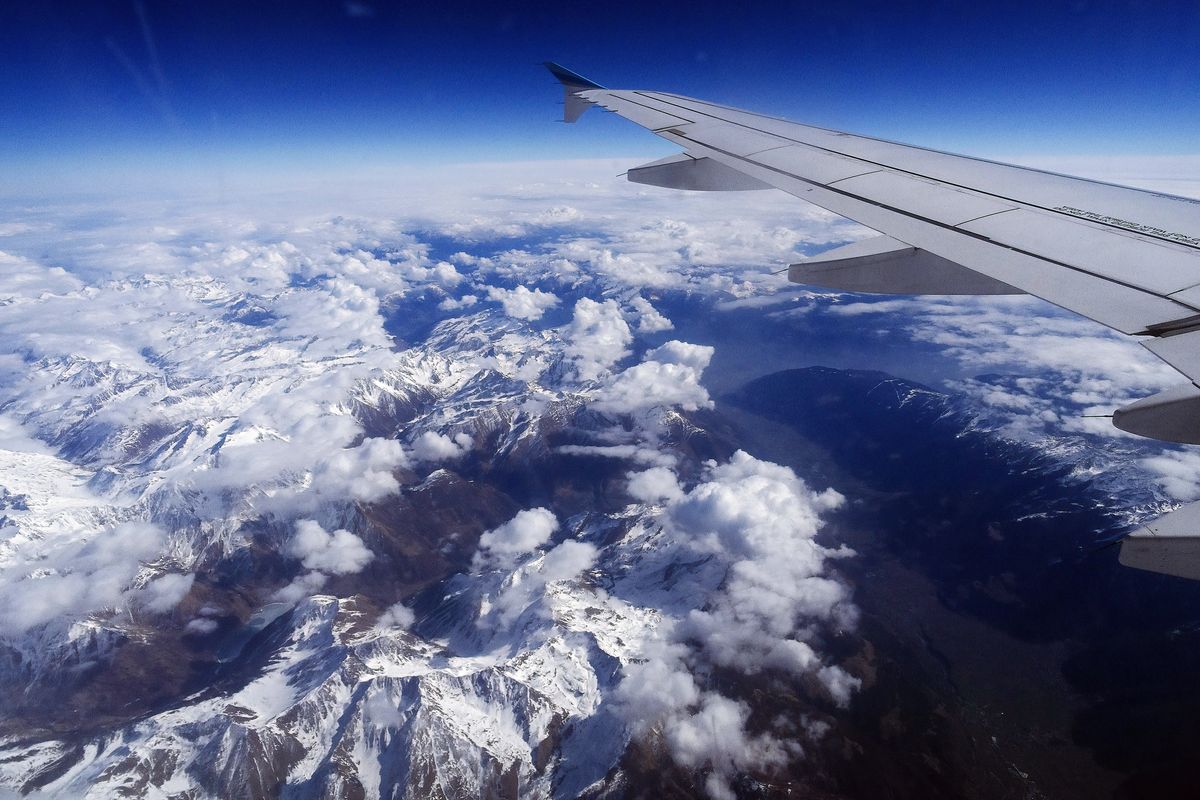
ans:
x=886 y=266
x=682 y=171
x=1181 y=351
x=1169 y=545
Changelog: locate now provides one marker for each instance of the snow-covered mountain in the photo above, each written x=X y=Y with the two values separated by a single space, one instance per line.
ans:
x=346 y=508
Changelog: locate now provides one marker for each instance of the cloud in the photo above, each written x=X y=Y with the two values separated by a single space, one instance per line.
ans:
x=48 y=579
x=521 y=535
x=558 y=215
x=695 y=356
x=714 y=736
x=431 y=446
x=304 y=585
x=163 y=594
x=597 y=337
x=567 y=560
x=669 y=377
x=336 y=553
x=362 y=473
x=1177 y=472
x=562 y=563
x=760 y=521
x=454 y=304
x=653 y=485
x=641 y=454
x=201 y=626
x=397 y=615
x=521 y=303
x=649 y=319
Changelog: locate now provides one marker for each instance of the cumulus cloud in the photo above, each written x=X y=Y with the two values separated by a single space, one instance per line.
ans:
x=562 y=563
x=431 y=446
x=521 y=303
x=306 y=467
x=397 y=615
x=362 y=473
x=649 y=318
x=336 y=553
x=714 y=736
x=521 y=535
x=761 y=521
x=695 y=356
x=598 y=337
x=654 y=485
x=453 y=304
x=669 y=377
x=505 y=548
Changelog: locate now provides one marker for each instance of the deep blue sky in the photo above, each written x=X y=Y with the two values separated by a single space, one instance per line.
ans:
x=309 y=83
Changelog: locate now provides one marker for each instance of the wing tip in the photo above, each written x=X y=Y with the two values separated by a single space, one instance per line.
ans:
x=572 y=80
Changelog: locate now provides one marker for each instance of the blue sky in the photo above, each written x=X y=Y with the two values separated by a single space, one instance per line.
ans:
x=305 y=85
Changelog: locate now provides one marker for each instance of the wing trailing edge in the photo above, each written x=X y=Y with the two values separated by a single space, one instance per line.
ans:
x=682 y=171
x=1170 y=545
x=883 y=265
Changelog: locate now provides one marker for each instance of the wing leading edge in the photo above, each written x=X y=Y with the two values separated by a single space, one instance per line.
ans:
x=1127 y=258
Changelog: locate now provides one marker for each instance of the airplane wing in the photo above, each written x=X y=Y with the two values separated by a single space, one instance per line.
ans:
x=951 y=224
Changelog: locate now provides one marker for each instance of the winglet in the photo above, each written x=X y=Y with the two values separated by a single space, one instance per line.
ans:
x=572 y=80
x=573 y=83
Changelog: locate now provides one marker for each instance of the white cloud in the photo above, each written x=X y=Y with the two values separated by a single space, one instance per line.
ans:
x=760 y=520
x=695 y=356
x=304 y=585
x=567 y=560
x=49 y=580
x=598 y=337
x=521 y=303
x=714 y=736
x=336 y=553
x=453 y=304
x=562 y=563
x=653 y=485
x=362 y=473
x=431 y=446
x=397 y=615
x=669 y=377
x=649 y=319
x=201 y=626
x=521 y=535
x=633 y=452
x=1178 y=472
x=163 y=594
x=558 y=215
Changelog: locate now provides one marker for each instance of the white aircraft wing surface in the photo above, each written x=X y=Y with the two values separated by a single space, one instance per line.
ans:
x=952 y=224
